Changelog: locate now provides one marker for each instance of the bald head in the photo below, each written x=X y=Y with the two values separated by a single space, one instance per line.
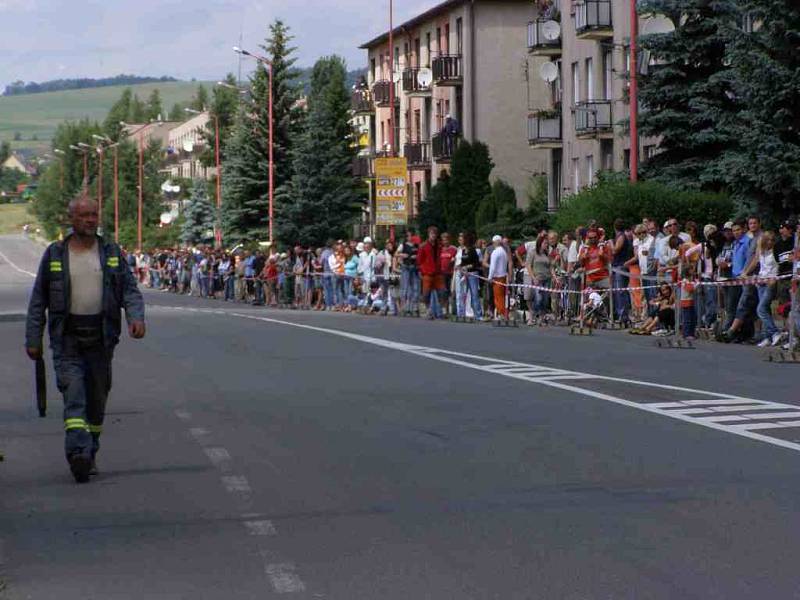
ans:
x=83 y=216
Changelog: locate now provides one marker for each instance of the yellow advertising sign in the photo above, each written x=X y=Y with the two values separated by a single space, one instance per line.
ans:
x=390 y=191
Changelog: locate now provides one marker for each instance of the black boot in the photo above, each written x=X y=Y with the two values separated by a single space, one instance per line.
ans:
x=81 y=466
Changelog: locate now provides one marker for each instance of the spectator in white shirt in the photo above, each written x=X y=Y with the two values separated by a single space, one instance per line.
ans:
x=498 y=273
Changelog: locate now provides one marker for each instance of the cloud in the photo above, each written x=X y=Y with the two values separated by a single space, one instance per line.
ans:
x=91 y=38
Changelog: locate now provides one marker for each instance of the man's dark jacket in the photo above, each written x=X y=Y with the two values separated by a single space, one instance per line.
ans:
x=51 y=293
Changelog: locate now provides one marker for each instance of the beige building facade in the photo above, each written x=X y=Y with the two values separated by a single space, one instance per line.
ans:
x=463 y=59
x=583 y=126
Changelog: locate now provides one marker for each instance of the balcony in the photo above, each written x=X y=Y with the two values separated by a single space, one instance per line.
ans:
x=448 y=70
x=538 y=42
x=418 y=155
x=362 y=167
x=544 y=129
x=593 y=119
x=381 y=93
x=443 y=146
x=593 y=20
x=361 y=102
x=411 y=84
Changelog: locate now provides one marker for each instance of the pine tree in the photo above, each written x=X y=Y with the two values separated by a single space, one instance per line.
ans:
x=120 y=111
x=763 y=169
x=431 y=212
x=245 y=180
x=200 y=99
x=198 y=217
x=138 y=113
x=325 y=197
x=224 y=106
x=176 y=113
x=154 y=109
x=684 y=98
x=469 y=184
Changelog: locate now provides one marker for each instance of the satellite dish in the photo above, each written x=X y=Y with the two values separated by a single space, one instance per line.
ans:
x=188 y=146
x=166 y=187
x=424 y=77
x=657 y=24
x=551 y=30
x=175 y=189
x=166 y=218
x=549 y=72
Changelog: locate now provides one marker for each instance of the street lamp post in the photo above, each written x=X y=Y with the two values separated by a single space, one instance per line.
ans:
x=61 y=155
x=80 y=150
x=218 y=225
x=140 y=131
x=100 y=151
x=268 y=65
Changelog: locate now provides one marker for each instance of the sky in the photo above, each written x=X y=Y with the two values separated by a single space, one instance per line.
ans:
x=42 y=40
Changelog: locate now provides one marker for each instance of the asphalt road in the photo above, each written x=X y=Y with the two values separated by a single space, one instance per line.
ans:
x=252 y=453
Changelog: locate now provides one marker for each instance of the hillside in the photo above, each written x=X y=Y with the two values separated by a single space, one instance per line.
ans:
x=40 y=114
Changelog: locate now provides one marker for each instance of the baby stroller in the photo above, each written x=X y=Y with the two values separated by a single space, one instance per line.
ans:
x=594 y=308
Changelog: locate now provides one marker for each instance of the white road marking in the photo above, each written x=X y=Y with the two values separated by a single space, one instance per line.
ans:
x=781 y=425
x=15 y=267
x=467 y=360
x=236 y=483
x=183 y=415
x=260 y=528
x=219 y=457
x=199 y=432
x=284 y=579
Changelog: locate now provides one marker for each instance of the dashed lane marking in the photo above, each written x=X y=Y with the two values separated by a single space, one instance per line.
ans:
x=260 y=528
x=219 y=457
x=183 y=415
x=283 y=578
x=236 y=483
x=742 y=425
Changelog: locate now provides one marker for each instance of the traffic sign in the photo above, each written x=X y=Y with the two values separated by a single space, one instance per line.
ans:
x=391 y=178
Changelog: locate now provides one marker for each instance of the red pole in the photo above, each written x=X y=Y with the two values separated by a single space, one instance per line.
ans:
x=391 y=93
x=116 y=194
x=141 y=175
x=219 y=178
x=100 y=185
x=271 y=164
x=634 y=95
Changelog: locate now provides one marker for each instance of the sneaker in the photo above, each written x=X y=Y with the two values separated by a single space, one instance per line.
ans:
x=80 y=466
x=765 y=342
x=779 y=338
x=661 y=332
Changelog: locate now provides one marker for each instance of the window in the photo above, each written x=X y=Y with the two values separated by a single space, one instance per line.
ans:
x=590 y=169
x=576 y=175
x=608 y=70
x=438 y=41
x=406 y=50
x=417 y=53
x=397 y=58
x=650 y=151
x=626 y=159
x=589 y=79
x=428 y=49
x=372 y=69
x=417 y=125
x=446 y=40
x=576 y=84
x=383 y=134
x=607 y=155
x=459 y=35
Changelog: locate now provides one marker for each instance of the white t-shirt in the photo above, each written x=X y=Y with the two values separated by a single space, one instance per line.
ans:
x=638 y=246
x=85 y=282
x=768 y=266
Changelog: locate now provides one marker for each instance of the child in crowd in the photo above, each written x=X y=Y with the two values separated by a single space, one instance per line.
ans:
x=688 y=312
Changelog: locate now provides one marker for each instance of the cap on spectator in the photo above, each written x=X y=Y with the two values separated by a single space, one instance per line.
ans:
x=360 y=246
x=284 y=255
x=367 y=240
x=709 y=230
x=728 y=225
x=497 y=238
x=789 y=224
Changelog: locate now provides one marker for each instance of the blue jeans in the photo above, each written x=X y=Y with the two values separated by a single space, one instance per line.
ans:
x=327 y=289
x=203 y=285
x=540 y=298
x=765 y=295
x=622 y=299
x=709 y=304
x=469 y=283
x=688 y=321
x=409 y=287
x=339 y=291
x=229 y=288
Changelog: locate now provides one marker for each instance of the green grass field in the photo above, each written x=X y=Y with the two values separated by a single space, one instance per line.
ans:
x=40 y=114
x=13 y=217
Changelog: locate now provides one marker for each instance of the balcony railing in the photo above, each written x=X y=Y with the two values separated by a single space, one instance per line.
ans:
x=362 y=167
x=361 y=102
x=381 y=92
x=443 y=146
x=538 y=44
x=411 y=82
x=418 y=155
x=592 y=117
x=447 y=69
x=544 y=129
x=593 y=19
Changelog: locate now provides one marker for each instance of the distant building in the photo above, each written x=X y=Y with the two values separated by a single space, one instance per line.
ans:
x=15 y=163
x=182 y=142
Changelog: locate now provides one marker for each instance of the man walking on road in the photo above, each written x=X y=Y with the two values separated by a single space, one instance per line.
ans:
x=82 y=284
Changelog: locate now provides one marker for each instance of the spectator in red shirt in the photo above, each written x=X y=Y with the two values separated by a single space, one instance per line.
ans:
x=429 y=263
x=595 y=258
x=447 y=260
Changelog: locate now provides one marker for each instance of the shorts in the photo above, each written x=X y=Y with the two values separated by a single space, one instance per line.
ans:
x=432 y=283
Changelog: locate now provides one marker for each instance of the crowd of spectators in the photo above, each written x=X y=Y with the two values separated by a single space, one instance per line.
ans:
x=733 y=281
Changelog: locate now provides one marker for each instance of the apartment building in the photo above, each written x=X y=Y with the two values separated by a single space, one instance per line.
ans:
x=580 y=54
x=462 y=58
